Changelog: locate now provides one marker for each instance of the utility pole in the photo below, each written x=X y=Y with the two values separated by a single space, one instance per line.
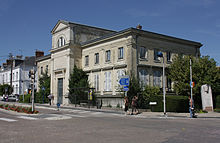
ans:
x=23 y=77
x=164 y=92
x=192 y=115
x=32 y=76
x=160 y=54
x=11 y=62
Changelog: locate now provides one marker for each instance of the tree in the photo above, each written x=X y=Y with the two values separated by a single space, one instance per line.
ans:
x=6 y=89
x=78 y=86
x=44 y=85
x=135 y=89
x=204 y=71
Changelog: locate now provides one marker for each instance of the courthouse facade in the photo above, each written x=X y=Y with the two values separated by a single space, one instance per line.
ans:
x=106 y=55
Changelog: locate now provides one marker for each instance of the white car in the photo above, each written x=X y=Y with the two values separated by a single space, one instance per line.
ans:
x=12 y=98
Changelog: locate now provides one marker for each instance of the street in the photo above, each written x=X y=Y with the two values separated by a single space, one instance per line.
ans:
x=88 y=126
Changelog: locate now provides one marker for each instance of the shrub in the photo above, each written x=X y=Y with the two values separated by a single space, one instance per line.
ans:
x=27 y=98
x=218 y=101
x=40 y=97
x=173 y=103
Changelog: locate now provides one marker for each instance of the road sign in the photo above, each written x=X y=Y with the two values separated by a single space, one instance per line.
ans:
x=192 y=84
x=124 y=80
x=125 y=88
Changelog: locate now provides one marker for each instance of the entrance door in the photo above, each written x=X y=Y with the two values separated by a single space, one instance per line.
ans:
x=60 y=91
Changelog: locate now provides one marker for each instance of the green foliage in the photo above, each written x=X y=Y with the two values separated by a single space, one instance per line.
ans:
x=78 y=86
x=134 y=89
x=40 y=97
x=44 y=82
x=173 y=103
x=27 y=98
x=204 y=72
x=144 y=98
x=218 y=101
x=4 y=88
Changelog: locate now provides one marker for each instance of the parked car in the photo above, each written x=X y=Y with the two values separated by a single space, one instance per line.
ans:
x=12 y=98
x=1 y=98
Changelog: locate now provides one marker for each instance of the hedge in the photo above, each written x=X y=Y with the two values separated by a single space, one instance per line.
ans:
x=38 y=98
x=173 y=103
x=218 y=101
x=27 y=98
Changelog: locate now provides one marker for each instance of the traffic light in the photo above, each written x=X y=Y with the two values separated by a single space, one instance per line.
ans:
x=32 y=75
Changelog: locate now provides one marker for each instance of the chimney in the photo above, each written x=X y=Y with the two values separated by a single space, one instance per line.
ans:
x=139 y=26
x=39 y=54
x=4 y=65
x=19 y=57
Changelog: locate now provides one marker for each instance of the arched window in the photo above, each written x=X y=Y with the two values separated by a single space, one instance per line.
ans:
x=61 y=42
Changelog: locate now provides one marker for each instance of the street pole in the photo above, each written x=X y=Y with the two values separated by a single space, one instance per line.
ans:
x=23 y=78
x=191 y=93
x=33 y=90
x=11 y=59
x=164 y=92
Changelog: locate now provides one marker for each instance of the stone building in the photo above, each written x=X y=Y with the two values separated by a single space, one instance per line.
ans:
x=106 y=55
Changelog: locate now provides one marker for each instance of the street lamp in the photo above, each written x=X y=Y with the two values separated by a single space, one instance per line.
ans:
x=160 y=54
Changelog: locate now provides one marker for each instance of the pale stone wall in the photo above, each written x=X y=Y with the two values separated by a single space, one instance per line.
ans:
x=43 y=64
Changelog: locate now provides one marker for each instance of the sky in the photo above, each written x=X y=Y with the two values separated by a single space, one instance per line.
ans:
x=25 y=25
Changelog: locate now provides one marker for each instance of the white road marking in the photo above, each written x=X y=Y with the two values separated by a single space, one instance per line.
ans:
x=8 y=120
x=75 y=115
x=58 y=117
x=96 y=113
x=26 y=117
x=83 y=112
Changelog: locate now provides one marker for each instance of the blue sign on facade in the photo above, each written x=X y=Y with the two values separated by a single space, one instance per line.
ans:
x=124 y=81
x=125 y=88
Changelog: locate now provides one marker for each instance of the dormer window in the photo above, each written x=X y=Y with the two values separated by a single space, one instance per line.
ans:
x=61 y=42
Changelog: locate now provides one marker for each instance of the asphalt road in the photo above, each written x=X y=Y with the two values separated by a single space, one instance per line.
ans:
x=93 y=127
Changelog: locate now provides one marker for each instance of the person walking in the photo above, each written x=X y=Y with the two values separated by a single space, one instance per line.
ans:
x=126 y=104
x=49 y=97
x=134 y=105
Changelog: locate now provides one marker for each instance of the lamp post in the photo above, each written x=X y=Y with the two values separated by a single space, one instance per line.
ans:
x=160 y=54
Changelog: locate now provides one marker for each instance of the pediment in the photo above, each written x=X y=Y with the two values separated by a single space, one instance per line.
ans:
x=60 y=25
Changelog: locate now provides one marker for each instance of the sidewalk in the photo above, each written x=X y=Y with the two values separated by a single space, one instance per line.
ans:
x=45 y=108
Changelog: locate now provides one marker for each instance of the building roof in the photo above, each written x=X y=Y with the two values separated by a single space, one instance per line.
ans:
x=68 y=23
x=142 y=33
x=43 y=58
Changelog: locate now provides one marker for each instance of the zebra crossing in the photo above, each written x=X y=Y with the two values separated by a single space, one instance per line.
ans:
x=69 y=114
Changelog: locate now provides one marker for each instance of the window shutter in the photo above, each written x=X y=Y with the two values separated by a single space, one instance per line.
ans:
x=97 y=82
x=105 y=81
x=110 y=82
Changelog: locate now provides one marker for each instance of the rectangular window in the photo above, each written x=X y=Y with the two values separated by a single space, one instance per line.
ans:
x=96 y=58
x=16 y=75
x=107 y=81
x=46 y=68
x=120 y=53
x=87 y=60
x=96 y=82
x=120 y=73
x=13 y=78
x=143 y=53
x=156 y=58
x=157 y=79
x=108 y=56
x=143 y=77
x=41 y=70
x=168 y=57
